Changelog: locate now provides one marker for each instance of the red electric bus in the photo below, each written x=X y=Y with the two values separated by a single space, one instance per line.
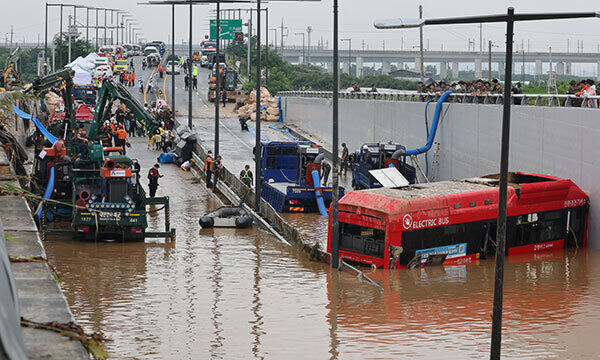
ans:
x=392 y=227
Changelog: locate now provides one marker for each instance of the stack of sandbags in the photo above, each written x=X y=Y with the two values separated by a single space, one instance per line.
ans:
x=269 y=112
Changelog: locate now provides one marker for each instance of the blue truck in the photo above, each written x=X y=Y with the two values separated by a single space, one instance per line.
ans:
x=379 y=156
x=291 y=173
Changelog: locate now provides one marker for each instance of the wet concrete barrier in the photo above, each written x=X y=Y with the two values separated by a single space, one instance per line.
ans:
x=40 y=299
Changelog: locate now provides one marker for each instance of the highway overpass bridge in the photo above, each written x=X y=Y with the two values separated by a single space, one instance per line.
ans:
x=448 y=61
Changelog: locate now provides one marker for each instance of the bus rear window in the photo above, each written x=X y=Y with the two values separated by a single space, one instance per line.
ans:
x=362 y=240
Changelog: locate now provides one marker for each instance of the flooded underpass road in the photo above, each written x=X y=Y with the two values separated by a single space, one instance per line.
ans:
x=241 y=294
x=226 y=293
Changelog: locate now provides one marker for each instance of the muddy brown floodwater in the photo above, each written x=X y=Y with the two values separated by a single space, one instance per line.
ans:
x=240 y=294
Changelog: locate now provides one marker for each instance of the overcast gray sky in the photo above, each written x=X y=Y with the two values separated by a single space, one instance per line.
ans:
x=356 y=22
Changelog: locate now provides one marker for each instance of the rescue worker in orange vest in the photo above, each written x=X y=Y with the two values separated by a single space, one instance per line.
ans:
x=121 y=137
x=160 y=70
x=208 y=169
x=133 y=78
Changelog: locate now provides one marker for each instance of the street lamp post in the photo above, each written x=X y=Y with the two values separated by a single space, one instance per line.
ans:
x=335 y=225
x=509 y=18
x=349 y=55
x=258 y=143
x=301 y=33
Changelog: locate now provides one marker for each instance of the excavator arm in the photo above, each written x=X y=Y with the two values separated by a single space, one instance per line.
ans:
x=112 y=91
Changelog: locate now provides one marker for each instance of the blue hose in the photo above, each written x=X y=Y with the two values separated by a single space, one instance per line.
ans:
x=48 y=192
x=285 y=131
x=37 y=123
x=427 y=131
x=318 y=192
x=251 y=131
x=434 y=125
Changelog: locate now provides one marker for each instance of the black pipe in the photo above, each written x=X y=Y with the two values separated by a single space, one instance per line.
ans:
x=46 y=37
x=501 y=229
x=190 y=73
x=61 y=37
x=257 y=147
x=217 y=79
x=335 y=225
x=173 y=59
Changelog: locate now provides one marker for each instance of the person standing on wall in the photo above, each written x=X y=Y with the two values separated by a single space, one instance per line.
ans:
x=209 y=169
x=153 y=176
x=217 y=170
x=246 y=176
x=344 y=160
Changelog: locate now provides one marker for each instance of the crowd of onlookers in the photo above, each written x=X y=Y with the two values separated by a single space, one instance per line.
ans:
x=473 y=87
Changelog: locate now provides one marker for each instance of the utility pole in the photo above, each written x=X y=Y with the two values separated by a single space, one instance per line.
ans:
x=309 y=30
x=249 y=46
x=480 y=38
x=190 y=71
x=490 y=61
x=303 y=56
x=46 y=37
x=60 y=37
x=96 y=29
x=335 y=225
x=69 y=34
x=421 y=45
x=258 y=143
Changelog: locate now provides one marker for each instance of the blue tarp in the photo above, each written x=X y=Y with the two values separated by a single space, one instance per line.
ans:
x=37 y=123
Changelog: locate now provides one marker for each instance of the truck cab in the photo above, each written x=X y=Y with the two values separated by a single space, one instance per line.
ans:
x=288 y=161
x=373 y=156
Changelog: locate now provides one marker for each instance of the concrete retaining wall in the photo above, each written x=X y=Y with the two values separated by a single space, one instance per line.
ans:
x=548 y=140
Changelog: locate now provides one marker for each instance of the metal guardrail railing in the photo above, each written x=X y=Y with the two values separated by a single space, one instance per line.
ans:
x=562 y=100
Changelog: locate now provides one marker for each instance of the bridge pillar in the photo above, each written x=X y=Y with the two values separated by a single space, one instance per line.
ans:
x=330 y=67
x=478 y=68
x=598 y=71
x=455 y=70
x=300 y=59
x=501 y=68
x=359 y=67
x=568 y=68
x=560 y=68
x=418 y=64
x=346 y=67
x=385 y=68
x=443 y=70
x=538 y=67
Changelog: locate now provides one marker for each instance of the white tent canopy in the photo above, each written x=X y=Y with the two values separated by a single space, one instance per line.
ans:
x=82 y=76
x=81 y=62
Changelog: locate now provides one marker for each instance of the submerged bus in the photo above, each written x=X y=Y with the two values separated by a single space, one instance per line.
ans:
x=392 y=227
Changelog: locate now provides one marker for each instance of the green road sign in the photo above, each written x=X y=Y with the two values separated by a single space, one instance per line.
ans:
x=229 y=29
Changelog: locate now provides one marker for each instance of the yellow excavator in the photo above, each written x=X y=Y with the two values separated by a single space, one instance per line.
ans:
x=11 y=75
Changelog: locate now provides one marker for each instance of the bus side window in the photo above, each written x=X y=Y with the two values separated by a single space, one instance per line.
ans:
x=527 y=229
x=552 y=226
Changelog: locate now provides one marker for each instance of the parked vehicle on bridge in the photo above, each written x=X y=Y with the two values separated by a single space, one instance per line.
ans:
x=159 y=45
x=173 y=67
x=196 y=56
x=103 y=71
x=120 y=66
x=148 y=50
x=456 y=220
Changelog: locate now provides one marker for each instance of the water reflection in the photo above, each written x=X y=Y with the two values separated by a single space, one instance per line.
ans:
x=446 y=311
x=217 y=341
x=257 y=322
